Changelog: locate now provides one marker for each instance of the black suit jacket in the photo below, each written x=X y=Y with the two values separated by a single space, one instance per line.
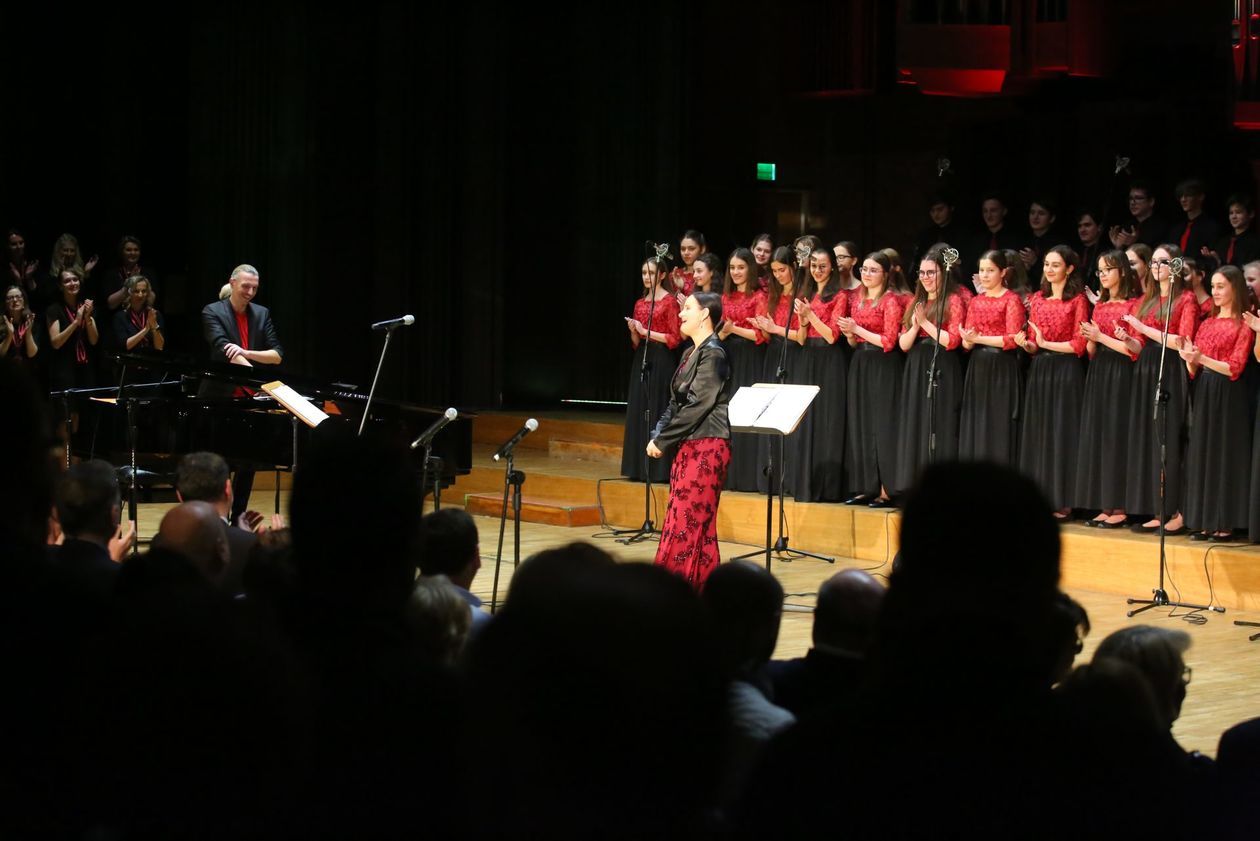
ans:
x=218 y=326
x=240 y=544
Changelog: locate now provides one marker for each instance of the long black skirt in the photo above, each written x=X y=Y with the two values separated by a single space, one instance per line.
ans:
x=1049 y=435
x=655 y=397
x=988 y=419
x=1218 y=458
x=1101 y=472
x=871 y=437
x=1142 y=462
x=819 y=449
x=913 y=433
x=783 y=454
x=747 y=367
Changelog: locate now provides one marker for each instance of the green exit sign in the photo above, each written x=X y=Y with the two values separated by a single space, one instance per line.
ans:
x=765 y=172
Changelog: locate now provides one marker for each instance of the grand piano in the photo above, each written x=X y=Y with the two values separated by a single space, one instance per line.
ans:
x=158 y=397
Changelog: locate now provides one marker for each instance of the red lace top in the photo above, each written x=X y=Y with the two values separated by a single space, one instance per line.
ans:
x=739 y=308
x=966 y=292
x=828 y=313
x=664 y=318
x=1060 y=321
x=882 y=317
x=955 y=313
x=1001 y=316
x=1185 y=315
x=684 y=281
x=1205 y=308
x=781 y=311
x=1107 y=314
x=1226 y=340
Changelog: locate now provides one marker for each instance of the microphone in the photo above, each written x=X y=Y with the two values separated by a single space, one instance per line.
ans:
x=404 y=321
x=434 y=428
x=1176 y=265
x=949 y=257
x=1122 y=164
x=530 y=426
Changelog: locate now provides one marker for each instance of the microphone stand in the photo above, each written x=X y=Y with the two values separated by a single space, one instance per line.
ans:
x=132 y=514
x=1159 y=596
x=646 y=530
x=389 y=332
x=512 y=481
x=780 y=547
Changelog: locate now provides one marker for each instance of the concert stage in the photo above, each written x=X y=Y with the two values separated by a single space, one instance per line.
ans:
x=572 y=462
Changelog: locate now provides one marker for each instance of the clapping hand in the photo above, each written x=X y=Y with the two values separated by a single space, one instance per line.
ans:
x=847 y=325
x=122 y=541
x=1120 y=333
x=969 y=335
x=91 y=264
x=1191 y=353
x=1091 y=296
x=151 y=321
x=1250 y=319
x=1020 y=339
x=1090 y=331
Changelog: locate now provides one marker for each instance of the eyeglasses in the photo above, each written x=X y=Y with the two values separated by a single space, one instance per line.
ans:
x=869 y=270
x=1133 y=198
x=928 y=272
x=1161 y=262
x=13 y=297
x=845 y=257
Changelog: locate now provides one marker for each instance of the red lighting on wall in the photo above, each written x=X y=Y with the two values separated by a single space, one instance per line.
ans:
x=944 y=81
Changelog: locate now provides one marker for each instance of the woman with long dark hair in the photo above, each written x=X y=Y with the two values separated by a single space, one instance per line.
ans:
x=657 y=340
x=1101 y=475
x=706 y=276
x=821 y=446
x=784 y=333
x=988 y=419
x=746 y=350
x=1163 y=303
x=1056 y=379
x=874 y=375
x=762 y=251
x=936 y=314
x=1218 y=458
x=690 y=246
x=696 y=423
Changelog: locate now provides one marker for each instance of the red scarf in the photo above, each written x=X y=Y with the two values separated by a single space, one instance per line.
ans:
x=137 y=321
x=80 y=349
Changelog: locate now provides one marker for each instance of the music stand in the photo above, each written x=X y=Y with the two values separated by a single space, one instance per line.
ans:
x=776 y=410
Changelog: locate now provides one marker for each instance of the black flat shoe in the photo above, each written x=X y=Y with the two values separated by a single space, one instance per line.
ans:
x=1174 y=532
x=860 y=499
x=1093 y=524
x=1199 y=536
x=1103 y=524
x=1139 y=528
x=1221 y=538
x=880 y=503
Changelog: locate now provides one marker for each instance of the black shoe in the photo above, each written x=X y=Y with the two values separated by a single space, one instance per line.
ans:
x=1221 y=538
x=1103 y=524
x=880 y=503
x=1199 y=536
x=1093 y=524
x=1139 y=528
x=857 y=499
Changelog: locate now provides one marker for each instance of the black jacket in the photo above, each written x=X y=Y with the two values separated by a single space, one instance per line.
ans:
x=218 y=326
x=700 y=393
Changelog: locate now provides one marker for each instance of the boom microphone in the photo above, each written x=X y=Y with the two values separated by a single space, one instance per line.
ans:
x=404 y=321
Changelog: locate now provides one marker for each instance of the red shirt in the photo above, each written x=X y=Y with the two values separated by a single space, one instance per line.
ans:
x=664 y=318
x=955 y=314
x=882 y=317
x=1110 y=313
x=1001 y=316
x=739 y=308
x=1226 y=340
x=781 y=311
x=828 y=312
x=1060 y=321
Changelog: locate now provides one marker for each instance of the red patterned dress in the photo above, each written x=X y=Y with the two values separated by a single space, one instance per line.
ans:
x=1053 y=398
x=1218 y=458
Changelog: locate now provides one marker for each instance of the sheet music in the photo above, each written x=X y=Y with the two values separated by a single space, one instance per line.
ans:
x=767 y=407
x=305 y=410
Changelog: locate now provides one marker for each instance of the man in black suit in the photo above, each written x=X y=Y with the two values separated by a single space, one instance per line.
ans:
x=203 y=477
x=89 y=508
x=242 y=333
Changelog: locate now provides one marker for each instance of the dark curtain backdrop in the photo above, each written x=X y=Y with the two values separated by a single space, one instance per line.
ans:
x=496 y=170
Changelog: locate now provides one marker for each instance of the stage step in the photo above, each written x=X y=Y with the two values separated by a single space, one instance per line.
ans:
x=493 y=429
x=535 y=509
x=585 y=451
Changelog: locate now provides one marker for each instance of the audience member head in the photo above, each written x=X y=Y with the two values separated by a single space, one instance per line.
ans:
x=438 y=619
x=195 y=530
x=353 y=515
x=449 y=546
x=1013 y=569
x=1071 y=626
x=746 y=605
x=940 y=209
x=599 y=659
x=204 y=477
x=1190 y=194
x=847 y=610
x=88 y=501
x=1158 y=654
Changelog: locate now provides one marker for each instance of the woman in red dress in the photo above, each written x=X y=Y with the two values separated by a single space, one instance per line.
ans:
x=1101 y=474
x=649 y=389
x=1056 y=379
x=1164 y=303
x=988 y=420
x=1218 y=458
x=872 y=329
x=696 y=423
x=746 y=348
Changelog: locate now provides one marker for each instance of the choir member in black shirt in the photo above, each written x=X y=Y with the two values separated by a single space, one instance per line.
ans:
x=1197 y=231
x=1089 y=236
x=18 y=341
x=138 y=326
x=996 y=234
x=1242 y=244
x=1144 y=225
x=945 y=227
x=1042 y=216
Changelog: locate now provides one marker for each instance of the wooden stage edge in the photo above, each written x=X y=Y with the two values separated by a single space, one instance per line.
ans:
x=1118 y=562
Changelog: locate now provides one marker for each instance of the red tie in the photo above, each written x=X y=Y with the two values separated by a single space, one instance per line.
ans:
x=1229 y=255
x=1185 y=235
